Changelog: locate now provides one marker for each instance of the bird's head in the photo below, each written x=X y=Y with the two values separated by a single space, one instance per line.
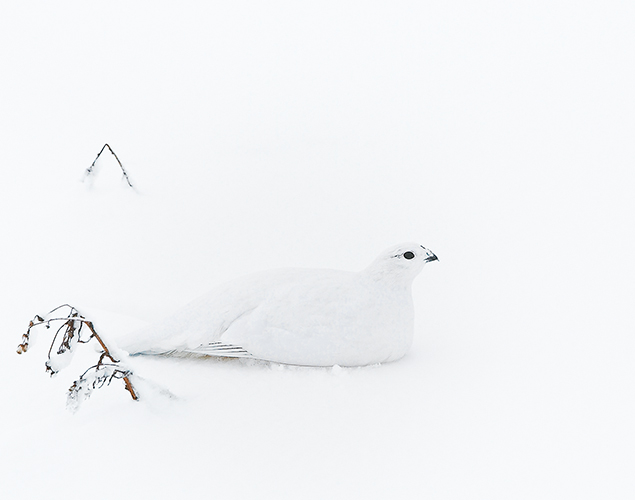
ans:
x=403 y=262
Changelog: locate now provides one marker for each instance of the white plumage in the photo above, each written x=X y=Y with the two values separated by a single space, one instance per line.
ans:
x=313 y=317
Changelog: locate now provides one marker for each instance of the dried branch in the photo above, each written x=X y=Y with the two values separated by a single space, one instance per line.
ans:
x=97 y=377
x=89 y=170
x=71 y=328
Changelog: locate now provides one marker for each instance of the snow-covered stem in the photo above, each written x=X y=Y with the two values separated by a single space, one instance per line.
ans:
x=72 y=325
x=95 y=378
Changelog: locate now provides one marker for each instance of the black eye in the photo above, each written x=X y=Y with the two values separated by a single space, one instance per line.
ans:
x=408 y=255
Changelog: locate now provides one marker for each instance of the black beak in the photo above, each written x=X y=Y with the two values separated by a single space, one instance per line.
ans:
x=431 y=258
x=429 y=255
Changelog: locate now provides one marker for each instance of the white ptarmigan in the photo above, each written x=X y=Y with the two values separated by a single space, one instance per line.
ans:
x=312 y=317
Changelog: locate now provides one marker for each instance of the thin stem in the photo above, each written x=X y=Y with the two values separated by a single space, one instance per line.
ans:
x=126 y=380
x=123 y=170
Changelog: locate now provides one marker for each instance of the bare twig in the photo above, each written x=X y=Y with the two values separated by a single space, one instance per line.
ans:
x=89 y=170
x=72 y=326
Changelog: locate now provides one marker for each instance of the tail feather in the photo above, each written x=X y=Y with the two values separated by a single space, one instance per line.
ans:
x=210 y=349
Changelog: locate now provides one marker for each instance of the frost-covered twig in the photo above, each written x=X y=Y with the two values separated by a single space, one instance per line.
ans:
x=95 y=378
x=73 y=333
x=89 y=170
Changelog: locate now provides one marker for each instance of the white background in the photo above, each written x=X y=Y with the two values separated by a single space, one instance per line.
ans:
x=315 y=134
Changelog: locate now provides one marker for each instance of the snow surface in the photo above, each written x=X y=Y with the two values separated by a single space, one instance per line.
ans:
x=286 y=134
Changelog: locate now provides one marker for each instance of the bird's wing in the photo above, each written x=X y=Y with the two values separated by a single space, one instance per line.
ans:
x=199 y=323
x=193 y=338
x=234 y=315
